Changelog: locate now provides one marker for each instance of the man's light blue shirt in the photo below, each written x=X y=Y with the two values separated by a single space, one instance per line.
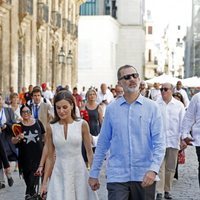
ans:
x=134 y=137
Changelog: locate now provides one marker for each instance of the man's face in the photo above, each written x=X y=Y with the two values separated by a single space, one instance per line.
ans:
x=142 y=85
x=103 y=88
x=130 y=80
x=30 y=88
x=75 y=91
x=156 y=85
x=178 y=85
x=37 y=97
x=166 y=91
x=119 y=91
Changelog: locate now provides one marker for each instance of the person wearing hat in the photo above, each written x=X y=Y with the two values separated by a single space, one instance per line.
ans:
x=46 y=93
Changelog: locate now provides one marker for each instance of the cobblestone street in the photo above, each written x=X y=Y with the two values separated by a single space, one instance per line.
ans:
x=185 y=188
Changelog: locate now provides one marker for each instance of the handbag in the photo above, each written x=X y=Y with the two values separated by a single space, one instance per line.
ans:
x=181 y=157
x=37 y=184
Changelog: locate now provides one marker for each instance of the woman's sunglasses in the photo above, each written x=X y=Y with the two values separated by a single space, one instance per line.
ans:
x=26 y=111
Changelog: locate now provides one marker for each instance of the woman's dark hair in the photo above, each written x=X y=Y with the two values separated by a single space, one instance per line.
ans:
x=180 y=96
x=64 y=95
x=23 y=106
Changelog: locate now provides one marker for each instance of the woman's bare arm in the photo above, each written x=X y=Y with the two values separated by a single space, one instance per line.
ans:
x=87 y=141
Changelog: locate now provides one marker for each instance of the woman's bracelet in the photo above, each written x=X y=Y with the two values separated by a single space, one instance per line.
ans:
x=41 y=166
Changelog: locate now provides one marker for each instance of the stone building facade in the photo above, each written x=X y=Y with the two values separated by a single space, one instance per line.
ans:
x=32 y=33
x=111 y=34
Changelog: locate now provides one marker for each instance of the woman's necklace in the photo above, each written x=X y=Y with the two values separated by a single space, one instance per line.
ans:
x=28 y=122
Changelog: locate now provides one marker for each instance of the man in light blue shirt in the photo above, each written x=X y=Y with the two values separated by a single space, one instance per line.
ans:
x=132 y=132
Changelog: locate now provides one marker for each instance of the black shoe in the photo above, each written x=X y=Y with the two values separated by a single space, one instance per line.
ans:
x=10 y=181
x=2 y=185
x=28 y=196
x=168 y=195
x=159 y=196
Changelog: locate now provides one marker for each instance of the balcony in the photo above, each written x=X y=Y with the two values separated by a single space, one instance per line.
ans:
x=8 y=2
x=42 y=14
x=4 y=6
x=25 y=9
x=56 y=20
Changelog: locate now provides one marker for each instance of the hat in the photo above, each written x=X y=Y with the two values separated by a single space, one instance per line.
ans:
x=44 y=85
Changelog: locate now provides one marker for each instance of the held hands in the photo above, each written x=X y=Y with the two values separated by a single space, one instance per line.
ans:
x=188 y=140
x=149 y=179
x=183 y=145
x=94 y=183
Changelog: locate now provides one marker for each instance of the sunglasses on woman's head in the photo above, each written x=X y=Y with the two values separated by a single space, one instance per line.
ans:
x=128 y=76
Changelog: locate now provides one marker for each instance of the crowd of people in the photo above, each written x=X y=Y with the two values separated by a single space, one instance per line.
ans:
x=65 y=136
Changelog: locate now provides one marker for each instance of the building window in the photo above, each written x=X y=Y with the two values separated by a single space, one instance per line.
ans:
x=107 y=7
x=179 y=27
x=178 y=39
x=149 y=56
x=150 y=30
x=89 y=8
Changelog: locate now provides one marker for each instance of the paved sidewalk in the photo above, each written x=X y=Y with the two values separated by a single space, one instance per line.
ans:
x=186 y=188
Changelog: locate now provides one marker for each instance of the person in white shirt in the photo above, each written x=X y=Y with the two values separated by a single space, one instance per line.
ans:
x=191 y=127
x=172 y=112
x=155 y=92
x=104 y=97
x=179 y=89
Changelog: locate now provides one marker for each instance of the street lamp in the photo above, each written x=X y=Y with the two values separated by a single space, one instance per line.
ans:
x=61 y=56
x=69 y=58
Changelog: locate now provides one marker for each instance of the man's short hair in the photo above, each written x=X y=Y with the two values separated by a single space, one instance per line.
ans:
x=36 y=89
x=124 y=67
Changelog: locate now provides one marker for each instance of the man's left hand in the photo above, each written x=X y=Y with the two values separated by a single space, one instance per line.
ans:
x=149 y=179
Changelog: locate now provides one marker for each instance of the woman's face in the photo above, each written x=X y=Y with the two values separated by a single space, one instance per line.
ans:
x=64 y=109
x=92 y=96
x=26 y=113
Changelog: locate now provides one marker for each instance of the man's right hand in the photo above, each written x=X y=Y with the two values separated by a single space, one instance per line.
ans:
x=94 y=183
